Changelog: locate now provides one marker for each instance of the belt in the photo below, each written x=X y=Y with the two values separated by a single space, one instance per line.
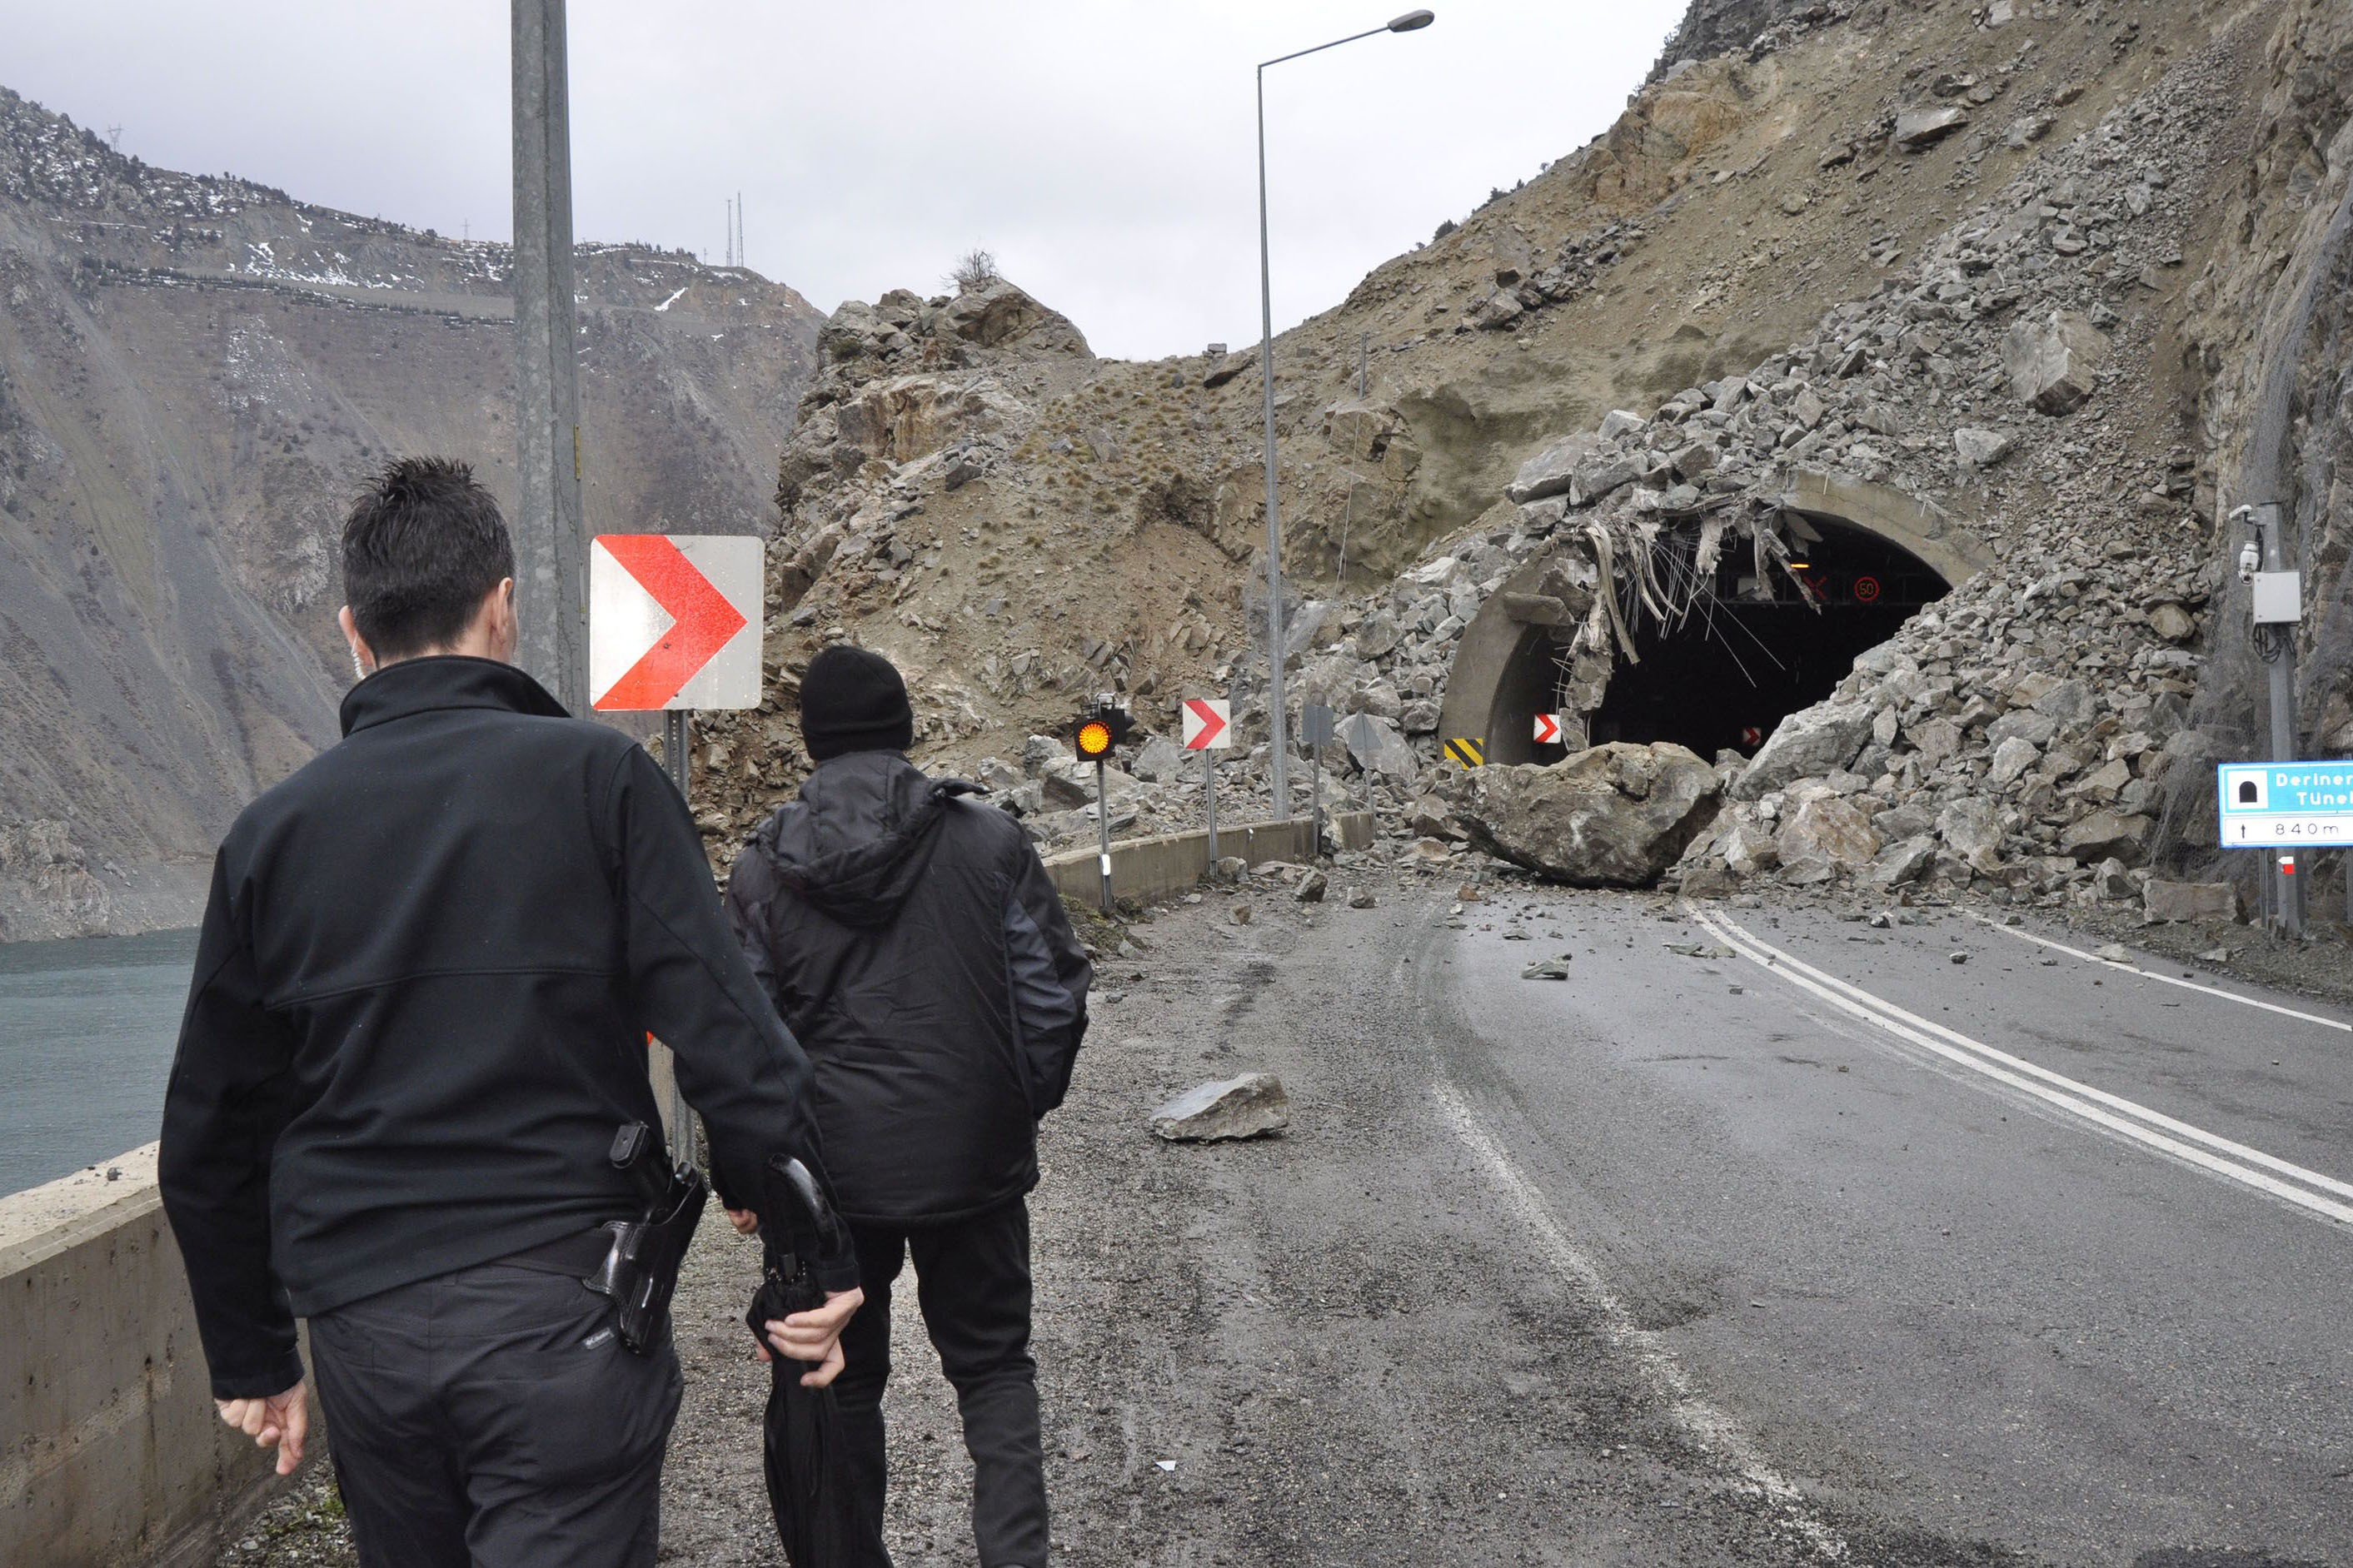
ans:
x=578 y=1256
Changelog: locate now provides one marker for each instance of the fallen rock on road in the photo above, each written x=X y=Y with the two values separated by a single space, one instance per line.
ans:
x=1616 y=816
x=1242 y=1107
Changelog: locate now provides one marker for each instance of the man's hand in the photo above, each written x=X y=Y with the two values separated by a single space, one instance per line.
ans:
x=816 y=1335
x=745 y=1221
x=281 y=1421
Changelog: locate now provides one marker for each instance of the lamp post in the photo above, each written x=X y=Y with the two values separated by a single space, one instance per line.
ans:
x=1412 y=21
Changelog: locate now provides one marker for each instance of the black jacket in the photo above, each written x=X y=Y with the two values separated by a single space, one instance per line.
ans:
x=913 y=942
x=422 y=992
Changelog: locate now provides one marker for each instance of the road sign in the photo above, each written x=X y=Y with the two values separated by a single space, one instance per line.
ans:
x=2271 y=804
x=1316 y=725
x=1547 y=729
x=1866 y=590
x=1208 y=724
x=674 y=621
x=1471 y=752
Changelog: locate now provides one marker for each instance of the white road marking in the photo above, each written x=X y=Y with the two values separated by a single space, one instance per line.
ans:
x=2161 y=979
x=1709 y=1429
x=2151 y=1129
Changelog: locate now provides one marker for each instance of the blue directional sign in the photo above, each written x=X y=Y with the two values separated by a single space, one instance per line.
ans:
x=2280 y=805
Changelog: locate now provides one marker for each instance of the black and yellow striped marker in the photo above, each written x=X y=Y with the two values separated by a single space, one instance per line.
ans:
x=1470 y=752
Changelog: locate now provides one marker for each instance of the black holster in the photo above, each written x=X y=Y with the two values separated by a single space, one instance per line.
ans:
x=640 y=1272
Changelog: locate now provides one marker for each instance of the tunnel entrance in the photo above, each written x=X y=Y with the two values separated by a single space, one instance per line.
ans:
x=1748 y=654
x=1726 y=652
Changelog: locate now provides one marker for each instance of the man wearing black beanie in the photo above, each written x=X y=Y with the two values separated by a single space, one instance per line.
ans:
x=909 y=934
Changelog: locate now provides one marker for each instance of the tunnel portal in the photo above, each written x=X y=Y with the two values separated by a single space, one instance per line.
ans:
x=1747 y=648
x=1748 y=655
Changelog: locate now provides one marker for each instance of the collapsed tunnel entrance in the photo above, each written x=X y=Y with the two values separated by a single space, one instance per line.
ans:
x=1737 y=619
x=1748 y=654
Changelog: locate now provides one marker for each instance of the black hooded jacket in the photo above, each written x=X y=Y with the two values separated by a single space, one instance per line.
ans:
x=421 y=1000
x=911 y=938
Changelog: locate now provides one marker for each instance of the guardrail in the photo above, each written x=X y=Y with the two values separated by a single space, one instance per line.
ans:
x=1146 y=868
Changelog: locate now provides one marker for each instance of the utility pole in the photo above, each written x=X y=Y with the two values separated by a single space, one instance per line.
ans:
x=1278 y=714
x=2278 y=611
x=554 y=564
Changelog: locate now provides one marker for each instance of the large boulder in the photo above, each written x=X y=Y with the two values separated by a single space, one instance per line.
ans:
x=1072 y=782
x=2191 y=901
x=1828 y=827
x=2105 y=834
x=1614 y=817
x=1377 y=747
x=1808 y=743
x=1000 y=313
x=1971 y=830
x=1159 y=760
x=1550 y=471
x=2054 y=361
x=1916 y=130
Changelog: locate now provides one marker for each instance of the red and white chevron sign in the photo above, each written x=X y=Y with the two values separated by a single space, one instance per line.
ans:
x=1208 y=724
x=674 y=621
x=1547 y=729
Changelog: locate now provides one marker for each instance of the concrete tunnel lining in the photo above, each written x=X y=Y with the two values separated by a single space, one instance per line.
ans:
x=1503 y=673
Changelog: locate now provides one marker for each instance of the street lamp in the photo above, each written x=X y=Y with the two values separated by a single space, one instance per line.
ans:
x=1411 y=22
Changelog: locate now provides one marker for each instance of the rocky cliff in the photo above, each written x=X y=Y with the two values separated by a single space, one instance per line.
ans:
x=194 y=373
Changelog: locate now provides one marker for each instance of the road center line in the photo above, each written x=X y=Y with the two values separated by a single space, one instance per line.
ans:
x=2152 y=974
x=2151 y=1129
x=1710 y=1429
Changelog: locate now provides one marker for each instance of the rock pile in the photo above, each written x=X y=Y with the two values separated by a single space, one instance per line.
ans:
x=2016 y=733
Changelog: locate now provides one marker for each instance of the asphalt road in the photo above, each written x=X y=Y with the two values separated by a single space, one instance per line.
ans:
x=1931 y=1287
x=1697 y=1257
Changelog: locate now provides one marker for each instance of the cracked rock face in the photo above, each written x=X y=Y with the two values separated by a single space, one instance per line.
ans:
x=1614 y=817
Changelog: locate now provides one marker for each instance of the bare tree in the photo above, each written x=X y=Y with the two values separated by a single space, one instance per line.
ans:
x=975 y=268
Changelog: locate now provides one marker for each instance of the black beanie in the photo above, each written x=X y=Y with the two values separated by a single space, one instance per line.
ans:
x=853 y=701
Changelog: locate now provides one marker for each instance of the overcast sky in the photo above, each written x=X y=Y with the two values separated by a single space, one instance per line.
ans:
x=1102 y=148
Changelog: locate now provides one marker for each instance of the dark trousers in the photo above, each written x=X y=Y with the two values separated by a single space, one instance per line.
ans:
x=491 y=1419
x=972 y=1282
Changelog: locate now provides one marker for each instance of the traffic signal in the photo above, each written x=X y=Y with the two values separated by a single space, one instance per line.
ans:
x=1100 y=727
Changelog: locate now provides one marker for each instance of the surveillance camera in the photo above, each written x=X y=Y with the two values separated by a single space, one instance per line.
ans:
x=2250 y=560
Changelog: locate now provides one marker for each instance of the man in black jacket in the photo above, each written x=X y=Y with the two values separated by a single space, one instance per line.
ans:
x=422 y=992
x=912 y=940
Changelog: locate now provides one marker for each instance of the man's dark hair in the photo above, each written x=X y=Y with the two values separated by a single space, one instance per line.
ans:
x=422 y=547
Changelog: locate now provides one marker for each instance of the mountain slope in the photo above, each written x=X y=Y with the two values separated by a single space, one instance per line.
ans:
x=195 y=372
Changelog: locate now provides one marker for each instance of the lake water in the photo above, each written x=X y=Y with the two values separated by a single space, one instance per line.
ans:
x=87 y=1029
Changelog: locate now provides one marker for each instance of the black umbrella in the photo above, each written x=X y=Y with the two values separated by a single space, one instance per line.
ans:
x=808 y=1462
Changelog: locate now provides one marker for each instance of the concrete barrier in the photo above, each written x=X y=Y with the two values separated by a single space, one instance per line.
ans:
x=113 y=1452
x=1148 y=868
